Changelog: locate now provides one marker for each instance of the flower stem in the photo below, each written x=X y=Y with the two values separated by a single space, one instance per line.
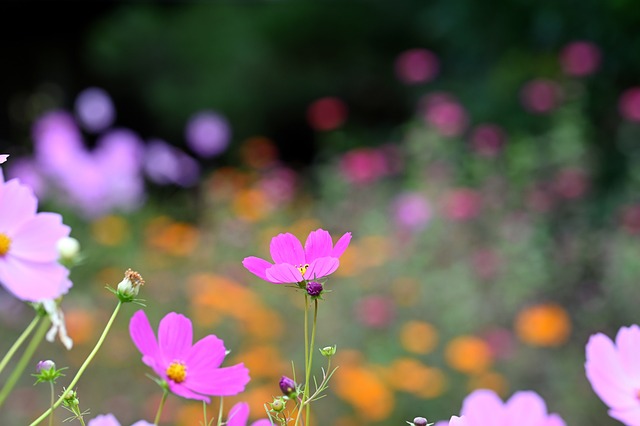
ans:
x=161 y=406
x=204 y=413
x=24 y=360
x=308 y=372
x=84 y=365
x=220 y=412
x=19 y=342
x=53 y=394
x=305 y=391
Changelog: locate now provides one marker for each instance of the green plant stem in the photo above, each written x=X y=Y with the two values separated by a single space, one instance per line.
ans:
x=53 y=396
x=308 y=372
x=305 y=391
x=204 y=412
x=220 y=412
x=84 y=365
x=19 y=342
x=161 y=406
x=24 y=360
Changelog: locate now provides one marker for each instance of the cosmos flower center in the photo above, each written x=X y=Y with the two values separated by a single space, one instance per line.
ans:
x=5 y=243
x=177 y=371
x=303 y=268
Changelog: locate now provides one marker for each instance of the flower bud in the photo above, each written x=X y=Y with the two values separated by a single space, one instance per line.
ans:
x=45 y=366
x=328 y=351
x=288 y=387
x=71 y=399
x=314 y=288
x=420 y=421
x=130 y=286
x=47 y=372
x=68 y=249
x=278 y=404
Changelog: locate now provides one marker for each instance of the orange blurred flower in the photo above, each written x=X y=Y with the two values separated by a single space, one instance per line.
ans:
x=468 y=354
x=175 y=238
x=259 y=152
x=81 y=324
x=375 y=250
x=544 y=325
x=263 y=361
x=251 y=205
x=410 y=375
x=418 y=337
x=110 y=230
x=489 y=380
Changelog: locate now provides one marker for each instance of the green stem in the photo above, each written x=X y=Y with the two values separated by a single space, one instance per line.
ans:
x=220 y=412
x=83 y=367
x=161 y=406
x=19 y=342
x=24 y=360
x=308 y=372
x=305 y=391
x=53 y=394
x=204 y=412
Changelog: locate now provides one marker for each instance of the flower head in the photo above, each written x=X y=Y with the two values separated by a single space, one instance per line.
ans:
x=110 y=420
x=189 y=370
x=314 y=288
x=239 y=415
x=47 y=371
x=288 y=387
x=614 y=372
x=29 y=267
x=293 y=263
x=130 y=285
x=485 y=408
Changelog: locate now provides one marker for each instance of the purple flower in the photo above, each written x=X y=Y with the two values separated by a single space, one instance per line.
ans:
x=239 y=415
x=614 y=372
x=208 y=134
x=314 y=288
x=293 y=264
x=484 y=408
x=29 y=266
x=288 y=386
x=94 y=109
x=110 y=420
x=191 y=371
x=165 y=164
x=45 y=365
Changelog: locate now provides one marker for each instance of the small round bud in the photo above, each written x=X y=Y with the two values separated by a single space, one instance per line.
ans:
x=328 y=351
x=45 y=366
x=278 y=404
x=420 y=421
x=288 y=387
x=130 y=286
x=314 y=288
x=68 y=248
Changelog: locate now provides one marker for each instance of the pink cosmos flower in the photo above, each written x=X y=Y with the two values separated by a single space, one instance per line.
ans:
x=293 y=264
x=29 y=267
x=110 y=420
x=239 y=415
x=3 y=158
x=484 y=408
x=614 y=372
x=191 y=371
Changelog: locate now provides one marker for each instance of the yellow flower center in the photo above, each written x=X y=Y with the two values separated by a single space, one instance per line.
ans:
x=177 y=371
x=303 y=268
x=5 y=243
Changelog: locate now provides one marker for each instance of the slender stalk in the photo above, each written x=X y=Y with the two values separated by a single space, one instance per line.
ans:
x=53 y=398
x=308 y=372
x=161 y=406
x=305 y=391
x=220 y=412
x=24 y=360
x=81 y=420
x=84 y=365
x=204 y=413
x=19 y=342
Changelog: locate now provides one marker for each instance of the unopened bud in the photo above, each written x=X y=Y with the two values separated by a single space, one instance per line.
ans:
x=278 y=404
x=45 y=366
x=314 y=288
x=328 y=351
x=130 y=286
x=288 y=387
x=420 y=421
x=68 y=249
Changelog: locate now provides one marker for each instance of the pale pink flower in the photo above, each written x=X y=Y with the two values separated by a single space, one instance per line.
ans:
x=3 y=158
x=293 y=263
x=614 y=372
x=629 y=104
x=445 y=114
x=364 y=165
x=462 y=204
x=580 y=58
x=417 y=66
x=239 y=416
x=110 y=420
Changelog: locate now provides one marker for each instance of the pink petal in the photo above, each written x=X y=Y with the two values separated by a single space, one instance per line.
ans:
x=321 y=268
x=238 y=415
x=104 y=420
x=257 y=266
x=144 y=338
x=525 y=409
x=483 y=407
x=285 y=248
x=628 y=343
x=261 y=422
x=318 y=244
x=554 y=420
x=17 y=204
x=457 y=421
x=630 y=417
x=341 y=245
x=604 y=371
x=207 y=353
x=283 y=273
x=220 y=381
x=36 y=239
x=175 y=337
x=33 y=281
x=181 y=390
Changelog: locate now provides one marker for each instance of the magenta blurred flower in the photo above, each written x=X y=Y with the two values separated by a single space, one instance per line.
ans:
x=327 y=113
x=541 y=96
x=293 y=264
x=462 y=204
x=3 y=158
x=110 y=420
x=613 y=369
x=411 y=211
x=580 y=58
x=375 y=311
x=485 y=408
x=416 y=66
x=571 y=183
x=629 y=104
x=94 y=109
x=239 y=415
x=279 y=184
x=165 y=164
x=190 y=371
x=445 y=114
x=208 y=134
x=487 y=140
x=29 y=266
x=363 y=165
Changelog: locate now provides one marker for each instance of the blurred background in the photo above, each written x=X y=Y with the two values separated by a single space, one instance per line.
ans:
x=485 y=157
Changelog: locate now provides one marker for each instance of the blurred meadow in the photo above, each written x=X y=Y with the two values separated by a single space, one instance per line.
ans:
x=485 y=157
